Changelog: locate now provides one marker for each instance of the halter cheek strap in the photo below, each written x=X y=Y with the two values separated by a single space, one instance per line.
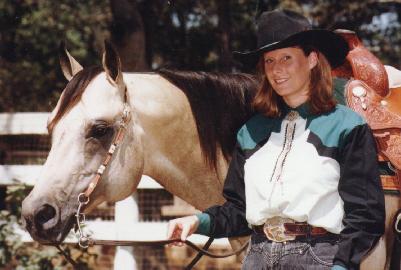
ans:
x=114 y=145
x=84 y=198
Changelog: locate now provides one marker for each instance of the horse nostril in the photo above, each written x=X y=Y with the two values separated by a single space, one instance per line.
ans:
x=45 y=214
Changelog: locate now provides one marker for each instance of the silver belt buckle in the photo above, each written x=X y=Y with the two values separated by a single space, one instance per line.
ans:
x=275 y=231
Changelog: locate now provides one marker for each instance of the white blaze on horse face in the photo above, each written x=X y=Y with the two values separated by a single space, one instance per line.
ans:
x=53 y=184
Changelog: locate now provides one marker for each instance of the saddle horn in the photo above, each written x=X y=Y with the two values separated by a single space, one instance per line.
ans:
x=362 y=65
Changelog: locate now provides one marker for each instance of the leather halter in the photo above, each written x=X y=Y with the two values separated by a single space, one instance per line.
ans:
x=84 y=197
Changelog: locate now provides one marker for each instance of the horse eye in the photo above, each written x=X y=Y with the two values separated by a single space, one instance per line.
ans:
x=99 y=131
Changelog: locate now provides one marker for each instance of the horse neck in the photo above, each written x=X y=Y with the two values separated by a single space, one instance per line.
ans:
x=172 y=153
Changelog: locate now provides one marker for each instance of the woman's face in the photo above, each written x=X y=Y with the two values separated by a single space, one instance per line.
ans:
x=288 y=71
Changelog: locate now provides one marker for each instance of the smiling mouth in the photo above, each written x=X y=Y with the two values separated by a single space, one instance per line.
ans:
x=280 y=81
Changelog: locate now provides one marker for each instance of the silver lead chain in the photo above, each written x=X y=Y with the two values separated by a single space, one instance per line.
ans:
x=83 y=241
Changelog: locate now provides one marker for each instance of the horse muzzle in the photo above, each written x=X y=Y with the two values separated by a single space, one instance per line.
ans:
x=42 y=219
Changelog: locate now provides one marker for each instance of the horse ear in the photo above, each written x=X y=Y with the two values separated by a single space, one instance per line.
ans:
x=68 y=64
x=112 y=63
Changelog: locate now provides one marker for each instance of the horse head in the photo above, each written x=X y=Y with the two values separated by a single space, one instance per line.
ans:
x=82 y=127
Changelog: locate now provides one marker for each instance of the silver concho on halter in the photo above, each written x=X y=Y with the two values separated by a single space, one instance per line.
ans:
x=275 y=231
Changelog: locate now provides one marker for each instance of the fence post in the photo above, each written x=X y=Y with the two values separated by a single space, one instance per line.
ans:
x=126 y=215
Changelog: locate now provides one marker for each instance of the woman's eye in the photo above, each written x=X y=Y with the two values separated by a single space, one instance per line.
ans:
x=268 y=61
x=287 y=57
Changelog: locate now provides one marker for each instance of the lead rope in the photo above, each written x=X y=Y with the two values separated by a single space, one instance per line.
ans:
x=67 y=257
x=200 y=254
x=85 y=241
x=202 y=251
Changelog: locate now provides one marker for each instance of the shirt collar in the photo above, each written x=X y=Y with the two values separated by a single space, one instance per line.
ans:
x=303 y=109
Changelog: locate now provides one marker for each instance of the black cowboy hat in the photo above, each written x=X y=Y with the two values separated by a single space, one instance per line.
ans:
x=284 y=28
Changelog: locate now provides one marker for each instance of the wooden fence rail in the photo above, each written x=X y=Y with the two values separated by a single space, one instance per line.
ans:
x=35 y=124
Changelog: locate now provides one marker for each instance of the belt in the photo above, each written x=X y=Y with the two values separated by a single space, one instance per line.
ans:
x=290 y=231
x=296 y=229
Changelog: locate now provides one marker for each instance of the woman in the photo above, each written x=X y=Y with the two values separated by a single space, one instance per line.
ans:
x=303 y=180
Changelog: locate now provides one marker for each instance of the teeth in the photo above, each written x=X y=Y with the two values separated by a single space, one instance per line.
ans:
x=281 y=80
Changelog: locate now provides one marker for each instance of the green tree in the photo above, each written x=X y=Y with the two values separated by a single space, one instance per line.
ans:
x=31 y=31
x=184 y=34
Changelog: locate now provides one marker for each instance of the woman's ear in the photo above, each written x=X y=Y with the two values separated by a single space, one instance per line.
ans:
x=312 y=59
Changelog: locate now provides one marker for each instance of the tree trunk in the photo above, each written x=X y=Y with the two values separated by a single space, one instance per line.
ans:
x=128 y=35
x=224 y=29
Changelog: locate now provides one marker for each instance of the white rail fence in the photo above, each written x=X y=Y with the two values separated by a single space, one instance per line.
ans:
x=126 y=225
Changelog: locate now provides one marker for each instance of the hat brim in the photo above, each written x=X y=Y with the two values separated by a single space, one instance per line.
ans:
x=332 y=45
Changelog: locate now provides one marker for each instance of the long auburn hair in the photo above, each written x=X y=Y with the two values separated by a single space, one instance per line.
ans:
x=321 y=98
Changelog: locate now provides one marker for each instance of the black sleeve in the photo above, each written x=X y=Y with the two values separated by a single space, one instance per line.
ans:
x=229 y=219
x=360 y=189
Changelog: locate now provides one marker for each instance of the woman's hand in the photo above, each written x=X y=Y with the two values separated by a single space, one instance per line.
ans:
x=182 y=228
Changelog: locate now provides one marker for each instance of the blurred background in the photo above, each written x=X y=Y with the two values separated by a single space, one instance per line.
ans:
x=148 y=34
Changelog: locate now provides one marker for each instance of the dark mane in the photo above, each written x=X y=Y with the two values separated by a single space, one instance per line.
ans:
x=220 y=103
x=73 y=92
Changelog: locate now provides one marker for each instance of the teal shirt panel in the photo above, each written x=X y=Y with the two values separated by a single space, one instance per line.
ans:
x=204 y=224
x=331 y=128
x=257 y=129
x=338 y=89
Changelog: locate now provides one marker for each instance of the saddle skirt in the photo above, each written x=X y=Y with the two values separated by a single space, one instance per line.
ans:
x=382 y=115
x=375 y=94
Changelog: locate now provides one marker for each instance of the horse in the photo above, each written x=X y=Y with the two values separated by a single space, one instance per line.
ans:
x=181 y=132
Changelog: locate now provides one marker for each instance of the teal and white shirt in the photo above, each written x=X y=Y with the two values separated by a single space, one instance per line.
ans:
x=320 y=169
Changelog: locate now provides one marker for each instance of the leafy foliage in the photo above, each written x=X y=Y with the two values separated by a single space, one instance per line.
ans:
x=31 y=31
x=185 y=34
x=14 y=254
x=9 y=242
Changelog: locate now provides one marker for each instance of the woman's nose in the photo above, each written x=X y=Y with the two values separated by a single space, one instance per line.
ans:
x=277 y=68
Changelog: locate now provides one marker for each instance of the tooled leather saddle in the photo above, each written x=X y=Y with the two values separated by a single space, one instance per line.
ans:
x=368 y=93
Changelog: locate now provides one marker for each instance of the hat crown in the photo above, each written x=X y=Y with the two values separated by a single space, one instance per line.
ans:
x=284 y=28
x=275 y=26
